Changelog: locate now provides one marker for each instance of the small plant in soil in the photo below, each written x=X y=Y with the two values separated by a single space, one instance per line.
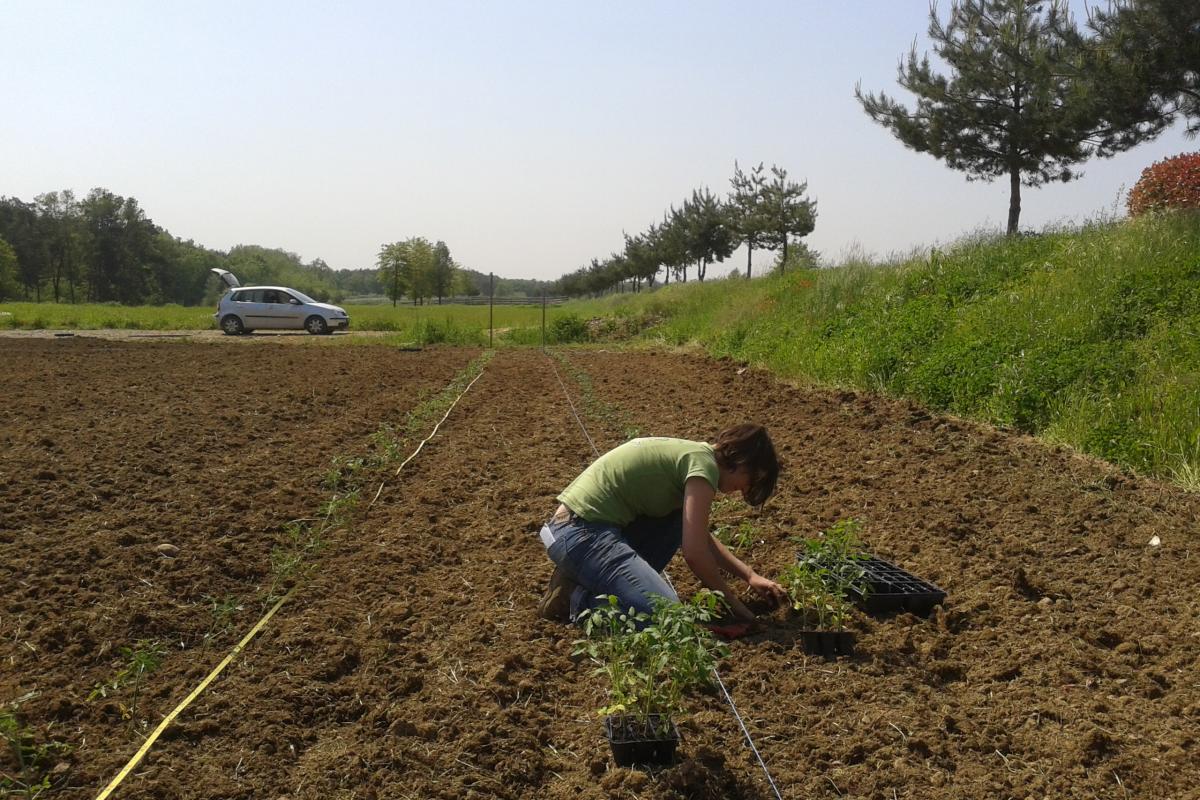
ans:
x=341 y=472
x=26 y=770
x=222 y=610
x=387 y=445
x=144 y=657
x=725 y=505
x=737 y=538
x=338 y=510
x=293 y=559
x=651 y=662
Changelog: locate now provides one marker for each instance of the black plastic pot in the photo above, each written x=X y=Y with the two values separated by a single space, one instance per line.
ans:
x=828 y=644
x=893 y=589
x=633 y=741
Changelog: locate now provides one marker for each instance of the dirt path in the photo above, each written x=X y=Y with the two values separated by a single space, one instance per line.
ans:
x=1063 y=665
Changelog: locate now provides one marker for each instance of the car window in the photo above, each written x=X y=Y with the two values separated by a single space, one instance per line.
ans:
x=302 y=297
x=249 y=296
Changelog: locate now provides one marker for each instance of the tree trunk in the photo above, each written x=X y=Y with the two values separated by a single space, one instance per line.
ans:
x=783 y=261
x=1014 y=199
x=749 y=255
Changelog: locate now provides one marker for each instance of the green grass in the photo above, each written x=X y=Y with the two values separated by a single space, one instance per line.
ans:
x=1088 y=337
x=429 y=324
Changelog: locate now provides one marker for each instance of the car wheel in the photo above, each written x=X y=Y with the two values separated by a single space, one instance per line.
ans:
x=316 y=325
x=232 y=325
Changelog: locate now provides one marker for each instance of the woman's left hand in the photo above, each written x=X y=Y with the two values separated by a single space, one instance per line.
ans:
x=767 y=589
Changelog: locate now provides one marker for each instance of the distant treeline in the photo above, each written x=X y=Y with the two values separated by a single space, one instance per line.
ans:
x=104 y=248
x=760 y=212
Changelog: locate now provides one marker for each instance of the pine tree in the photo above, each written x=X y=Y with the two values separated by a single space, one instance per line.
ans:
x=1144 y=62
x=1014 y=104
x=746 y=208
x=709 y=237
x=786 y=212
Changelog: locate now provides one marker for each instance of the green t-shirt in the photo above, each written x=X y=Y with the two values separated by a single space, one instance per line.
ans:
x=641 y=478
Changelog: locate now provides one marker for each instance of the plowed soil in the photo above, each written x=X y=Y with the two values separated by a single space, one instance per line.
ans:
x=412 y=664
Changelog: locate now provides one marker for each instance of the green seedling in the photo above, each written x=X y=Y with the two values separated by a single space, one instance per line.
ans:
x=341 y=472
x=222 y=615
x=144 y=657
x=816 y=596
x=841 y=542
x=737 y=537
x=293 y=559
x=338 y=510
x=30 y=758
x=387 y=446
x=725 y=505
x=651 y=661
x=838 y=552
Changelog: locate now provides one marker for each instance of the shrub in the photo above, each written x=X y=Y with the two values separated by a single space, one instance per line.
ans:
x=568 y=328
x=1172 y=183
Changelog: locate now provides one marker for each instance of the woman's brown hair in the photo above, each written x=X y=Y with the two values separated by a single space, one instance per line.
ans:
x=748 y=445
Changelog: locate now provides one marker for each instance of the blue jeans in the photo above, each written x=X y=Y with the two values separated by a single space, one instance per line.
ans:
x=604 y=558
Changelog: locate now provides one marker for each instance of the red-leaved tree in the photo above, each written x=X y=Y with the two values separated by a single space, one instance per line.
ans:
x=1168 y=184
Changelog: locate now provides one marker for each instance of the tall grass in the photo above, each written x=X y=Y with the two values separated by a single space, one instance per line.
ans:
x=1089 y=337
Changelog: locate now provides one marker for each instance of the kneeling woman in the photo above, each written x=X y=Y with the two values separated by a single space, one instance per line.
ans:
x=623 y=518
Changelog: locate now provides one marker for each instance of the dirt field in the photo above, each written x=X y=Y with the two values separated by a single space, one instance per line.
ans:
x=412 y=665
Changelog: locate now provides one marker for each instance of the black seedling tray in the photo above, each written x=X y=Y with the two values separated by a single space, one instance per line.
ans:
x=827 y=644
x=631 y=747
x=894 y=589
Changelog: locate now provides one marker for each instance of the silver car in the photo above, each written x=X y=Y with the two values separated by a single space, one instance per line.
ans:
x=243 y=309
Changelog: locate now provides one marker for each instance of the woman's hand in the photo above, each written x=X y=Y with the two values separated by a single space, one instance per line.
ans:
x=767 y=589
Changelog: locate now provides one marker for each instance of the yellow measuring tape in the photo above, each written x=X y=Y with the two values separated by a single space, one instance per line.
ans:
x=162 y=726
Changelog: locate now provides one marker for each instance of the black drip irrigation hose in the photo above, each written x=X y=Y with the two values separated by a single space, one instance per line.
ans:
x=721 y=683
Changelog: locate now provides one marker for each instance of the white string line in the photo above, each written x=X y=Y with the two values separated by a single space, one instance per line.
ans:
x=721 y=683
x=427 y=438
x=573 y=411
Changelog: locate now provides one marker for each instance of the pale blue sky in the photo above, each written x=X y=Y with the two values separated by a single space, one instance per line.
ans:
x=526 y=135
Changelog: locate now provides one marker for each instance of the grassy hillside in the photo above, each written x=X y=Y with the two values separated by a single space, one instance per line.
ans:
x=1088 y=337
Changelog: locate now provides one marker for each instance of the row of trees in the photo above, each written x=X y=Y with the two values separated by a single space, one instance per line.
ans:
x=1029 y=95
x=104 y=248
x=763 y=210
x=99 y=248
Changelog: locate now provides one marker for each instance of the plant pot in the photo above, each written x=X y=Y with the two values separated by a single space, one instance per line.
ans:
x=828 y=644
x=633 y=741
